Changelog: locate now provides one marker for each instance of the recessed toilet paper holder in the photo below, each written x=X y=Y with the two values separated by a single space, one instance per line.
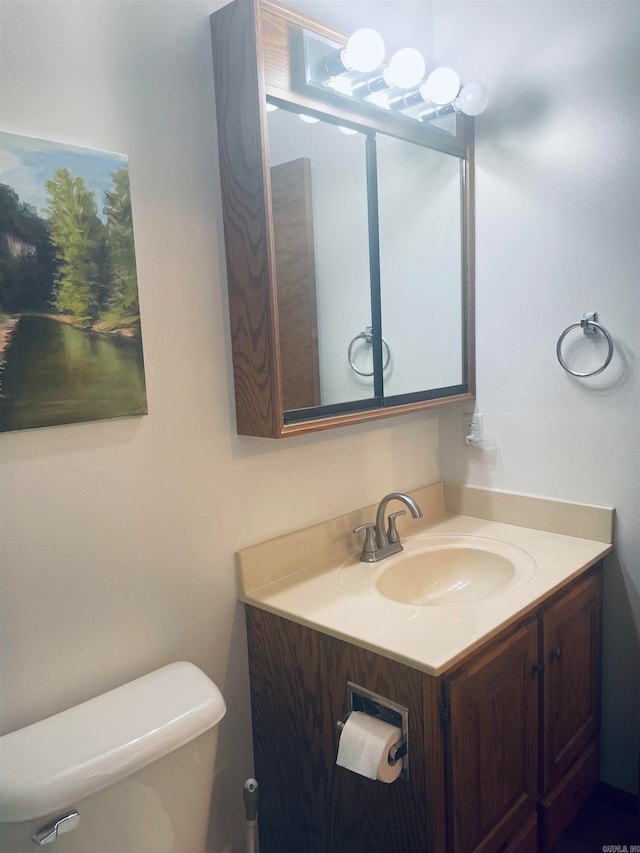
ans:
x=361 y=699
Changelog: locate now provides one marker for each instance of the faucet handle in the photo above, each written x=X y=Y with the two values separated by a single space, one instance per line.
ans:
x=370 y=546
x=392 y=532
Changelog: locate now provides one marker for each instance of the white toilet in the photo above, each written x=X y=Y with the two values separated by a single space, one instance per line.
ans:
x=130 y=771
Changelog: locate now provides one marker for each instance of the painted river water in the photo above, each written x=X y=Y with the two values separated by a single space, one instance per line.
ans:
x=54 y=373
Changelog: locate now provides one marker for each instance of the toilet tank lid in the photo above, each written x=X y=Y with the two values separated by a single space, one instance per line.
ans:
x=52 y=764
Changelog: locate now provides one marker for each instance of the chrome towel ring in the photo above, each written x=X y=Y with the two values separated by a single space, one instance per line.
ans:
x=590 y=326
x=367 y=336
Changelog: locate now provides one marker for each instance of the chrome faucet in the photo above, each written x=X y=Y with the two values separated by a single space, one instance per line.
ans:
x=382 y=541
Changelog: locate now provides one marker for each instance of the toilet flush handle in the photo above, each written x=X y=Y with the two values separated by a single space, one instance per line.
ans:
x=60 y=826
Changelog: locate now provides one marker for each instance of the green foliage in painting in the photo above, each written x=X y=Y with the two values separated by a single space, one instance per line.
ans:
x=71 y=261
x=122 y=305
x=80 y=243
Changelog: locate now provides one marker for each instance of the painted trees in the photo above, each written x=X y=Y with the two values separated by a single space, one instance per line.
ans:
x=123 y=298
x=80 y=242
x=72 y=261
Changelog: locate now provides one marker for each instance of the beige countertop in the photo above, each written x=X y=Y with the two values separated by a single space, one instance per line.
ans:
x=314 y=577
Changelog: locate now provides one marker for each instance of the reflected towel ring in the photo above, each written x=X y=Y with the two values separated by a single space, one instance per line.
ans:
x=590 y=326
x=367 y=336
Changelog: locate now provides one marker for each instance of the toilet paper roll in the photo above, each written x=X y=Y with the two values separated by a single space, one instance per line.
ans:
x=364 y=747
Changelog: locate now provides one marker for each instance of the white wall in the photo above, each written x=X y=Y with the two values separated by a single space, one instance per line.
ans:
x=558 y=220
x=118 y=538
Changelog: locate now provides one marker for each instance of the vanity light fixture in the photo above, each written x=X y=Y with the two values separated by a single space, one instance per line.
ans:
x=406 y=68
x=472 y=100
x=364 y=52
x=441 y=86
x=359 y=71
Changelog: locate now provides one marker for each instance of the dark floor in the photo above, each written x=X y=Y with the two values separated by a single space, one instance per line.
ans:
x=601 y=828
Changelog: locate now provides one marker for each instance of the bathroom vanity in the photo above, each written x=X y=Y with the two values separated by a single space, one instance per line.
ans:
x=502 y=689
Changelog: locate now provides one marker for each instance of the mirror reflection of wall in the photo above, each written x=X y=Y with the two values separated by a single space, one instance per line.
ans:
x=419 y=211
x=338 y=178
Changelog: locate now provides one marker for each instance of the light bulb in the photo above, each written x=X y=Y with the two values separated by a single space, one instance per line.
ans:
x=308 y=119
x=406 y=68
x=271 y=107
x=473 y=99
x=441 y=86
x=364 y=50
x=348 y=131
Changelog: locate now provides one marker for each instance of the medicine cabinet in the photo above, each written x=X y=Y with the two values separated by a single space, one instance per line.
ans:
x=348 y=237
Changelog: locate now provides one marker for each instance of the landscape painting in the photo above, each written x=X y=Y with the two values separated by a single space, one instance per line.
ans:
x=70 y=334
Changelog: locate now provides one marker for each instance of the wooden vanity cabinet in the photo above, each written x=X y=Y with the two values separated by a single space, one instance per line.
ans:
x=503 y=748
x=570 y=635
x=570 y=649
x=523 y=721
x=491 y=743
x=308 y=804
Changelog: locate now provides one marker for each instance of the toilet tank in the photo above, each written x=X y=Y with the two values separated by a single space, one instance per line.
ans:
x=136 y=764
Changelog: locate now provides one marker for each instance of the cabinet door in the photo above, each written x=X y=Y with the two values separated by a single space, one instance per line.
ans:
x=526 y=841
x=492 y=744
x=307 y=803
x=571 y=653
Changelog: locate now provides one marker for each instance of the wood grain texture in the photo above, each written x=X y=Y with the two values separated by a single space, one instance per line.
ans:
x=434 y=768
x=274 y=32
x=241 y=146
x=291 y=197
x=526 y=839
x=559 y=807
x=298 y=692
x=492 y=744
x=571 y=631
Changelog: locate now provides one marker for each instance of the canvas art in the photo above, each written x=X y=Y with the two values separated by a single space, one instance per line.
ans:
x=70 y=333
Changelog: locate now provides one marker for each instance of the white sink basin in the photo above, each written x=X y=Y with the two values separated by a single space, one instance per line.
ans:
x=440 y=571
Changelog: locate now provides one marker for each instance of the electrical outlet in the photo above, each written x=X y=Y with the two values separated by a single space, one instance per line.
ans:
x=472 y=424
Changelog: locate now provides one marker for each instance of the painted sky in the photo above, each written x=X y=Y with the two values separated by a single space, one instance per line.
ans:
x=26 y=164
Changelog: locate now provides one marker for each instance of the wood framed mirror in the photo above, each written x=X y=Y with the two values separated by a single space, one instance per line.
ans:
x=348 y=238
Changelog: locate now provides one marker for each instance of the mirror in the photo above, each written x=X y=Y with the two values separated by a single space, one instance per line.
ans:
x=354 y=231
x=420 y=196
x=320 y=223
x=348 y=234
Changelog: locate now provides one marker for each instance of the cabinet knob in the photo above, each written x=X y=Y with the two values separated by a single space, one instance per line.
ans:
x=555 y=654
